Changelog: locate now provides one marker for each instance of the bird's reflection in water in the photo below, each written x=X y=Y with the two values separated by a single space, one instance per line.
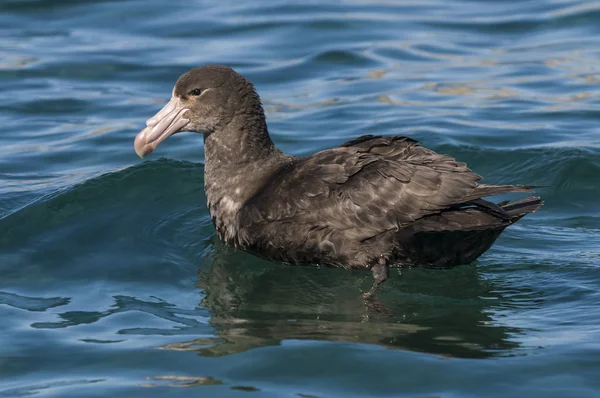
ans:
x=256 y=303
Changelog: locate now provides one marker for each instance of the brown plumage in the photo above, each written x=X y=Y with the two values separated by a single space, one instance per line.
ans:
x=371 y=203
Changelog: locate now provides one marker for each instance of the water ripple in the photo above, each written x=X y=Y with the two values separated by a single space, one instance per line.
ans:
x=32 y=303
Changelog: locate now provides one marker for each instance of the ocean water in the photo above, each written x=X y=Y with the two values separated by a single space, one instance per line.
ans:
x=113 y=283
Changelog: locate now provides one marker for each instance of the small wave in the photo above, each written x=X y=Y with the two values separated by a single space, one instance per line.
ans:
x=108 y=199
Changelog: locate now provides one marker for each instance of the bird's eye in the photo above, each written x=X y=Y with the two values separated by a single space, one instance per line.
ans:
x=196 y=92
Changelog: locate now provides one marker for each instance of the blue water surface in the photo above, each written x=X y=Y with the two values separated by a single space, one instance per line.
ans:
x=112 y=281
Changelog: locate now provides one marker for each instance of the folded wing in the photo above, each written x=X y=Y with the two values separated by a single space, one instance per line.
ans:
x=368 y=185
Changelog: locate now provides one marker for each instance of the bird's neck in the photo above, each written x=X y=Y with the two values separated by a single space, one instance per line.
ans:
x=242 y=141
x=239 y=160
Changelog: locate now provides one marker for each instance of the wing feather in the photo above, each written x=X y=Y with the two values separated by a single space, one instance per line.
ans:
x=368 y=185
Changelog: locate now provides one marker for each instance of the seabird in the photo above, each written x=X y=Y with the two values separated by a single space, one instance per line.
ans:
x=371 y=203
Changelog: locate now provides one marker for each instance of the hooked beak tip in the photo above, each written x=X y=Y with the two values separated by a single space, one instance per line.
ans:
x=141 y=145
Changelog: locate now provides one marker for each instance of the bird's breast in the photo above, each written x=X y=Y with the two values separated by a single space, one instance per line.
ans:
x=225 y=215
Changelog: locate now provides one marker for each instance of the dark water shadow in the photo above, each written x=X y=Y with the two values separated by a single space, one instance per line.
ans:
x=256 y=304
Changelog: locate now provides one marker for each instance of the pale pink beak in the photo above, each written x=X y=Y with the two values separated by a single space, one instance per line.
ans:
x=168 y=121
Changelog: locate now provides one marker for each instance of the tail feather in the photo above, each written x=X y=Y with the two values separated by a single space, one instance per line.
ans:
x=484 y=190
x=518 y=209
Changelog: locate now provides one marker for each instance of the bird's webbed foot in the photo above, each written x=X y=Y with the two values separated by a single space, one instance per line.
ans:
x=380 y=273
